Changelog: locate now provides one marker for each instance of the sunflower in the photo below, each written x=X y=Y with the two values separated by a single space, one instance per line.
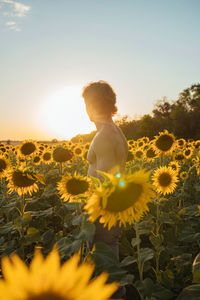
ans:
x=197 y=144
x=122 y=199
x=47 y=156
x=140 y=143
x=37 y=159
x=78 y=151
x=27 y=148
x=145 y=139
x=139 y=154
x=183 y=175
x=179 y=156
x=196 y=162
x=61 y=154
x=164 y=143
x=72 y=186
x=150 y=154
x=131 y=143
x=175 y=166
x=23 y=181
x=181 y=143
x=46 y=279
x=4 y=165
x=164 y=179
x=188 y=152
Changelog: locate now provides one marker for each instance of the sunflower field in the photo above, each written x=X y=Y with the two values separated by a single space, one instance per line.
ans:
x=48 y=207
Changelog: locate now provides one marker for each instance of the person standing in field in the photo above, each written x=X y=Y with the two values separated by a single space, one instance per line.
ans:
x=108 y=150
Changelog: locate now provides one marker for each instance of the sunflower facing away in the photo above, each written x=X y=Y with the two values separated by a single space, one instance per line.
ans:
x=124 y=198
x=46 y=279
x=72 y=186
x=62 y=154
x=165 y=179
x=164 y=143
x=23 y=181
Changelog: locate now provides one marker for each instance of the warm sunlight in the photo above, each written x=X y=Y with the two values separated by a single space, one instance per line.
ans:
x=63 y=113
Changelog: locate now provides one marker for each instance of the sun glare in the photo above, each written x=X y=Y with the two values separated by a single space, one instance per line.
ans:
x=63 y=114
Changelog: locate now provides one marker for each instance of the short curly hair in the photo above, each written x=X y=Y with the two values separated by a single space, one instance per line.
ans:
x=101 y=96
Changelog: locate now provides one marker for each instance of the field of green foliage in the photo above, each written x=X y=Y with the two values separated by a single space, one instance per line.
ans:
x=45 y=193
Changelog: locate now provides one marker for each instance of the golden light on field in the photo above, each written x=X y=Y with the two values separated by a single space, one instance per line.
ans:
x=63 y=115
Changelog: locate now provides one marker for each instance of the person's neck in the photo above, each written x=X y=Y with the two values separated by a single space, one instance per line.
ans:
x=101 y=121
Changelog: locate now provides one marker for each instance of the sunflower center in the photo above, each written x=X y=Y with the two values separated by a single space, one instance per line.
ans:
x=47 y=156
x=2 y=165
x=21 y=180
x=78 y=151
x=139 y=154
x=28 y=148
x=165 y=179
x=76 y=186
x=174 y=167
x=49 y=295
x=187 y=152
x=62 y=155
x=36 y=159
x=122 y=199
x=164 y=142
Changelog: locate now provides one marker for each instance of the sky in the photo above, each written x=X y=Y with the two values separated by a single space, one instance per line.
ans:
x=146 y=49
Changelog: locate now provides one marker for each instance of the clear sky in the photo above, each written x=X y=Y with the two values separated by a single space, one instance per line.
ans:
x=49 y=49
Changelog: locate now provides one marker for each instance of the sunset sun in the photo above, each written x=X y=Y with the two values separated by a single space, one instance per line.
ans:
x=63 y=113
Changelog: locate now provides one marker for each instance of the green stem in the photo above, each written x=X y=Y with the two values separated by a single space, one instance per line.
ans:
x=157 y=235
x=82 y=243
x=139 y=263
x=61 y=168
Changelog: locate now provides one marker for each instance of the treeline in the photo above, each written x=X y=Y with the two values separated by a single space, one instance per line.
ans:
x=182 y=117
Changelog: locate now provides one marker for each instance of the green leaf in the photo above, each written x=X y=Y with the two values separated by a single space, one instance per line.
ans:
x=160 y=292
x=87 y=232
x=135 y=242
x=191 y=292
x=156 y=241
x=145 y=287
x=77 y=220
x=106 y=260
x=127 y=279
x=146 y=254
x=128 y=261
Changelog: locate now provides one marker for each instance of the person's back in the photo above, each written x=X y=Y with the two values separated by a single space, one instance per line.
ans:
x=108 y=151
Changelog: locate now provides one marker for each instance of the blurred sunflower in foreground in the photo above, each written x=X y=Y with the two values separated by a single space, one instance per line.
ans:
x=46 y=279
x=164 y=143
x=23 y=181
x=164 y=180
x=123 y=198
x=70 y=187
